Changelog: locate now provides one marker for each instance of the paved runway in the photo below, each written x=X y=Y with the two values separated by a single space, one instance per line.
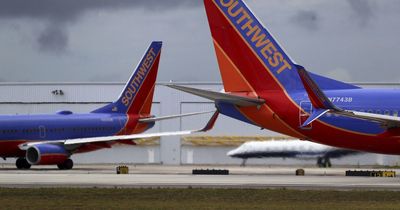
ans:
x=180 y=176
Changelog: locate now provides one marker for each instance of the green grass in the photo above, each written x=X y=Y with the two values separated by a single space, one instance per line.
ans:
x=94 y=198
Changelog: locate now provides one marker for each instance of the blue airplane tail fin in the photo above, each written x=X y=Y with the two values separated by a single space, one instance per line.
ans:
x=137 y=96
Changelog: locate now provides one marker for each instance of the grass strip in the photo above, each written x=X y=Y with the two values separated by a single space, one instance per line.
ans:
x=99 y=198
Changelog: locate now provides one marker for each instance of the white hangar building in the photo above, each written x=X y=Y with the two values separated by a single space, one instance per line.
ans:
x=204 y=148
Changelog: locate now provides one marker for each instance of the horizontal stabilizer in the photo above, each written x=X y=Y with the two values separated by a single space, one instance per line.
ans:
x=221 y=97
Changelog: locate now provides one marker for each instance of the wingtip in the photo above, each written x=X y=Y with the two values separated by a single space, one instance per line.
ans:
x=171 y=85
x=185 y=89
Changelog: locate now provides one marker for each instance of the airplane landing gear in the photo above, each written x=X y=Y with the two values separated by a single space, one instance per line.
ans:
x=22 y=163
x=244 y=161
x=66 y=165
x=324 y=162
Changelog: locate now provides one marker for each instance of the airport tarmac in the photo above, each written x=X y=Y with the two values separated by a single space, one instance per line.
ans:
x=156 y=176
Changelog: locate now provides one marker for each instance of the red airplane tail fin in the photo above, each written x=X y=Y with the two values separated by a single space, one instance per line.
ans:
x=249 y=57
x=137 y=96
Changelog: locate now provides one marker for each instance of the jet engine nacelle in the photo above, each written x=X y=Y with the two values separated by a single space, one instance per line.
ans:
x=46 y=154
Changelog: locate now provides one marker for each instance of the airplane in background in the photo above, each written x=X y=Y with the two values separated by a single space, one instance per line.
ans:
x=266 y=88
x=296 y=149
x=51 y=139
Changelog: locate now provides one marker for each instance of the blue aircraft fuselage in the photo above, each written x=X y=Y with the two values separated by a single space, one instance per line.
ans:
x=376 y=101
x=17 y=129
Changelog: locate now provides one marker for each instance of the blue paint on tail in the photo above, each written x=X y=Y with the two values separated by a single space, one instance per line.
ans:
x=133 y=86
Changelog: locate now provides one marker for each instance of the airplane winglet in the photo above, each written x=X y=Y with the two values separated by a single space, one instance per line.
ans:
x=211 y=122
x=317 y=97
x=321 y=104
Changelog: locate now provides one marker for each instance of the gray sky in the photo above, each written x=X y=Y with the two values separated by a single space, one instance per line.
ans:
x=102 y=40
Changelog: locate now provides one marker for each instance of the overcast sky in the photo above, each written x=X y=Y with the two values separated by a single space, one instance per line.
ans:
x=102 y=40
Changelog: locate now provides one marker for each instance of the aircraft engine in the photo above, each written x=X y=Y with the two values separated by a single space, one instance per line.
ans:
x=46 y=154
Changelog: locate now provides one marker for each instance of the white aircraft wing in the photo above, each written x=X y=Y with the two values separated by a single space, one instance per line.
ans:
x=78 y=141
x=154 y=119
